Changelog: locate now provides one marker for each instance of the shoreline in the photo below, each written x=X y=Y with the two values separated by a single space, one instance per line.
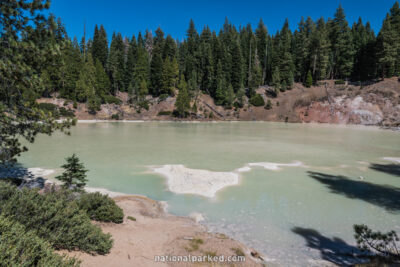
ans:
x=322 y=124
x=141 y=238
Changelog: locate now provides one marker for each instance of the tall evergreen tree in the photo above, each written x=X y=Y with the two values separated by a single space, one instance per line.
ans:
x=115 y=64
x=100 y=45
x=262 y=39
x=342 y=45
x=387 y=49
x=182 y=103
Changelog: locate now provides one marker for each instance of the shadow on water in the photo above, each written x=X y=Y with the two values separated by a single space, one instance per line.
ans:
x=393 y=169
x=333 y=249
x=20 y=176
x=384 y=196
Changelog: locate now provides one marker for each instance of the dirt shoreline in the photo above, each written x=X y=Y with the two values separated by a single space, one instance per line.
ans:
x=153 y=232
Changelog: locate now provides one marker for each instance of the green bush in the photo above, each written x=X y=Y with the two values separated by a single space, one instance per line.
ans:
x=132 y=218
x=115 y=116
x=257 y=100
x=110 y=99
x=268 y=106
x=100 y=207
x=164 y=113
x=55 y=110
x=144 y=104
x=66 y=112
x=340 y=82
x=163 y=97
x=19 y=247
x=49 y=107
x=55 y=218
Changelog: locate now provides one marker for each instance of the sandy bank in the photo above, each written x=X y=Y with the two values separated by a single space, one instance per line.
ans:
x=156 y=233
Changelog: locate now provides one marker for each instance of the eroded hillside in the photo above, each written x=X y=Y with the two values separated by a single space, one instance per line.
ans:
x=372 y=104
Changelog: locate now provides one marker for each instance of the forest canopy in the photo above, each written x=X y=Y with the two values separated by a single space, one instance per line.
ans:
x=223 y=64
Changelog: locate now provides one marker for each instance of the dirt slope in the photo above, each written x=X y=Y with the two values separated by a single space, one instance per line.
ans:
x=373 y=104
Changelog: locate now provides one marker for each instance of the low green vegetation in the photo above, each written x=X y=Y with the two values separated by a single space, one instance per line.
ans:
x=54 y=217
x=56 y=112
x=194 y=244
x=164 y=113
x=257 y=100
x=131 y=218
x=309 y=80
x=115 y=116
x=109 y=99
x=268 y=106
x=340 y=82
x=100 y=207
x=238 y=251
x=22 y=247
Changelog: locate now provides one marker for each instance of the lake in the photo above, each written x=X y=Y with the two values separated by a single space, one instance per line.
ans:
x=295 y=215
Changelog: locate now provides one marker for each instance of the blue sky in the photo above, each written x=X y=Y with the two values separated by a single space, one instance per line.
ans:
x=130 y=17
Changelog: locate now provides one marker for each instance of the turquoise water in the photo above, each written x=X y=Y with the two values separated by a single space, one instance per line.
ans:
x=291 y=215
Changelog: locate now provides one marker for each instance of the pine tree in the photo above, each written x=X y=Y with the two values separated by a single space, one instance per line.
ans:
x=286 y=65
x=276 y=79
x=236 y=74
x=387 y=49
x=169 y=76
x=320 y=50
x=342 y=45
x=74 y=175
x=130 y=64
x=262 y=39
x=115 y=63
x=182 y=103
x=71 y=71
x=395 y=25
x=86 y=84
x=309 y=79
x=141 y=72
x=102 y=80
x=230 y=97
x=156 y=74
x=219 y=97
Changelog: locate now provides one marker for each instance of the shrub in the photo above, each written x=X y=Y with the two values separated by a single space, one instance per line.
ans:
x=66 y=112
x=237 y=104
x=131 y=218
x=100 y=207
x=110 y=99
x=268 y=106
x=309 y=79
x=49 y=107
x=19 y=247
x=75 y=105
x=257 y=100
x=164 y=113
x=163 y=97
x=340 y=82
x=55 y=218
x=144 y=104
x=115 y=116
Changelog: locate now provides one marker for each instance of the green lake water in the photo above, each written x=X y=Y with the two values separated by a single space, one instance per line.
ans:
x=295 y=216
